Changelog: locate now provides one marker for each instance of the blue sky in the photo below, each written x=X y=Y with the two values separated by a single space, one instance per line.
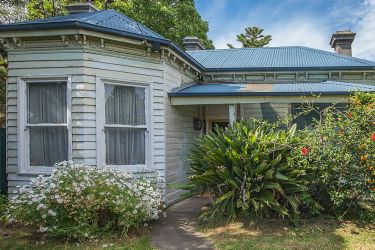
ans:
x=293 y=22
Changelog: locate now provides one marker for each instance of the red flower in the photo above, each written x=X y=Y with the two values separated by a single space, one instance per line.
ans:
x=304 y=150
x=350 y=114
x=373 y=137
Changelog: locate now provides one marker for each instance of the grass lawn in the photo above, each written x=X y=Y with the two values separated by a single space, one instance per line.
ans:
x=318 y=234
x=21 y=238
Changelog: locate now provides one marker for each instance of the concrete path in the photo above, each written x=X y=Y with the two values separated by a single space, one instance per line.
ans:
x=178 y=229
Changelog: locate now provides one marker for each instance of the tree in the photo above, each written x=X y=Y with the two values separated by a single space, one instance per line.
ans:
x=252 y=38
x=12 y=11
x=173 y=19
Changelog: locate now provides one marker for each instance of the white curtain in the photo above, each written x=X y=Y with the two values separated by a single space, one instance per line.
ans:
x=125 y=105
x=47 y=104
x=125 y=146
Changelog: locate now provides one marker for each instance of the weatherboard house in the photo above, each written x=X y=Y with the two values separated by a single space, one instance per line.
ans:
x=101 y=89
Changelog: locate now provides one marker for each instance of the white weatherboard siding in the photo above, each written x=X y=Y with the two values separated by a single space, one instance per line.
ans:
x=84 y=67
x=142 y=70
x=43 y=64
x=179 y=133
x=171 y=128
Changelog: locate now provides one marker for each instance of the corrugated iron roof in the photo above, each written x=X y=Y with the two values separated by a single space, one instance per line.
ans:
x=106 y=21
x=271 y=89
x=276 y=58
x=222 y=60
x=110 y=19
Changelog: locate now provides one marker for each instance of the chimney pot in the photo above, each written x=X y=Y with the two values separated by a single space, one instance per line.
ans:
x=341 y=42
x=81 y=7
x=192 y=43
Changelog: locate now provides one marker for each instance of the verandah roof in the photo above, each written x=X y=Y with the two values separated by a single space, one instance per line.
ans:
x=225 y=93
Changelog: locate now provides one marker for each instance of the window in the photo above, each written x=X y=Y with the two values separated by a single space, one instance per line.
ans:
x=44 y=124
x=125 y=125
x=304 y=119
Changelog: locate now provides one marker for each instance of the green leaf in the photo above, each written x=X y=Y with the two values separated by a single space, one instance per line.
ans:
x=261 y=167
x=224 y=197
x=281 y=177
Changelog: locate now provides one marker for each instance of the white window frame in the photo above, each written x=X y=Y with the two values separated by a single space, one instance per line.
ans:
x=23 y=125
x=100 y=127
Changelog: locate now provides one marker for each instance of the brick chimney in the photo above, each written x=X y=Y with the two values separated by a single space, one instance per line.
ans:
x=192 y=43
x=81 y=7
x=341 y=42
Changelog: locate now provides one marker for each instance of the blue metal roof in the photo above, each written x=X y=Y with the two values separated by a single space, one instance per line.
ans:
x=219 y=60
x=271 y=89
x=276 y=58
x=110 y=19
x=106 y=21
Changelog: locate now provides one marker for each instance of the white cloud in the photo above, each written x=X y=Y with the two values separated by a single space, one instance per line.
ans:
x=364 y=43
x=306 y=29
x=300 y=32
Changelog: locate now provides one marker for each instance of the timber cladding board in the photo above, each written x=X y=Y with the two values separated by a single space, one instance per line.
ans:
x=179 y=132
x=83 y=67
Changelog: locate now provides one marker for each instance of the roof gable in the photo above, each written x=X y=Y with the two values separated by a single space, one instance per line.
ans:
x=278 y=58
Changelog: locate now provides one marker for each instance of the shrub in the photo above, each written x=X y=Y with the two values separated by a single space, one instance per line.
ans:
x=79 y=202
x=341 y=156
x=3 y=204
x=245 y=170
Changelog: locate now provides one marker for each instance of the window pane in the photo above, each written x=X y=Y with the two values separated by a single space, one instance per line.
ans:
x=47 y=102
x=48 y=145
x=124 y=105
x=125 y=146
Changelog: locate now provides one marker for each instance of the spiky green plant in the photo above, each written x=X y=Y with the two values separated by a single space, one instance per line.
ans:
x=245 y=170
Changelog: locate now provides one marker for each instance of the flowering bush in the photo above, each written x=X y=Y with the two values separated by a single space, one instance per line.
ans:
x=339 y=155
x=79 y=202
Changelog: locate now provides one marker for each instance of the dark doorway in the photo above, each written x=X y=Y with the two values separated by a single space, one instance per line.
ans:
x=219 y=124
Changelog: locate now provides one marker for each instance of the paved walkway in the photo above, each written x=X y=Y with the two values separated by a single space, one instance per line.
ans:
x=178 y=229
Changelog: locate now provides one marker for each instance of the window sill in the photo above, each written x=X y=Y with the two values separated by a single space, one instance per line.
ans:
x=131 y=168
x=35 y=172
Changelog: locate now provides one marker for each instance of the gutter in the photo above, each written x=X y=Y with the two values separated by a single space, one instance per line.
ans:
x=201 y=94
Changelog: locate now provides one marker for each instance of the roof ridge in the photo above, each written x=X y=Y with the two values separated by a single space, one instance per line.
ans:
x=236 y=49
x=95 y=13
x=139 y=24
x=368 y=62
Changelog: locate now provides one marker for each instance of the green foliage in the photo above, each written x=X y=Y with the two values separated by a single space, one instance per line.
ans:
x=341 y=156
x=245 y=170
x=3 y=204
x=252 y=38
x=173 y=19
x=12 y=11
x=81 y=202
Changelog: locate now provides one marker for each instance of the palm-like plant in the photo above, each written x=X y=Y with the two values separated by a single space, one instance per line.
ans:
x=245 y=170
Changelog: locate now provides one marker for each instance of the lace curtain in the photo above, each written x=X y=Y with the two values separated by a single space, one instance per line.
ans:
x=46 y=109
x=124 y=108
